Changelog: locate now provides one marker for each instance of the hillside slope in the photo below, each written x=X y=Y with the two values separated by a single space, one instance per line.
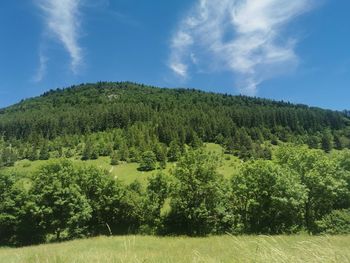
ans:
x=98 y=107
x=124 y=120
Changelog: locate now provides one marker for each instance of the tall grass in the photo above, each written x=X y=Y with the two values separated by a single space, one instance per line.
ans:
x=183 y=249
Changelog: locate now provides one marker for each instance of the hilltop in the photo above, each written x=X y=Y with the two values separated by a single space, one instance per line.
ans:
x=168 y=114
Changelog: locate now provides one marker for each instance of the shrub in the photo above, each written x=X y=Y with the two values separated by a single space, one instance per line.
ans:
x=337 y=222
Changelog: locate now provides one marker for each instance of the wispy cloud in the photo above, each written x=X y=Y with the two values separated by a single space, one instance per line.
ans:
x=245 y=37
x=40 y=74
x=62 y=19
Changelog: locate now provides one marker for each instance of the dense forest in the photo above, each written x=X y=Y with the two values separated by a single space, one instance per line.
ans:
x=293 y=173
x=99 y=119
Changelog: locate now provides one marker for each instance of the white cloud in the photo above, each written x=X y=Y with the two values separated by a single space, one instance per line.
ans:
x=62 y=20
x=40 y=74
x=241 y=36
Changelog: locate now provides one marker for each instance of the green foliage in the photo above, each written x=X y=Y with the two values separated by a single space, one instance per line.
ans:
x=16 y=206
x=158 y=190
x=148 y=161
x=160 y=151
x=174 y=152
x=327 y=183
x=327 y=141
x=33 y=154
x=44 y=153
x=8 y=157
x=199 y=198
x=299 y=189
x=96 y=119
x=114 y=158
x=295 y=190
x=124 y=152
x=62 y=210
x=335 y=223
x=269 y=198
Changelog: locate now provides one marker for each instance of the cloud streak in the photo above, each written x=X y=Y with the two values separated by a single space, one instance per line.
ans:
x=62 y=19
x=245 y=37
x=40 y=74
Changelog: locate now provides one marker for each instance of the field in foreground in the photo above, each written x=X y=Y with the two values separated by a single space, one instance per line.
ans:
x=182 y=249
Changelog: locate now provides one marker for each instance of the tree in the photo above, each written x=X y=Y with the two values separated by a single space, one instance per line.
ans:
x=8 y=211
x=313 y=141
x=174 y=151
x=87 y=152
x=160 y=151
x=134 y=155
x=335 y=223
x=124 y=152
x=44 y=153
x=229 y=145
x=116 y=209
x=148 y=161
x=114 y=158
x=157 y=192
x=196 y=142
x=269 y=198
x=33 y=154
x=327 y=183
x=63 y=208
x=327 y=141
x=8 y=157
x=198 y=204
x=338 y=142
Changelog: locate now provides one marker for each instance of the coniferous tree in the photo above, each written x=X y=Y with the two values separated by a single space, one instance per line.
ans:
x=8 y=157
x=33 y=154
x=174 y=152
x=148 y=161
x=114 y=158
x=87 y=152
x=44 y=153
x=124 y=152
x=327 y=141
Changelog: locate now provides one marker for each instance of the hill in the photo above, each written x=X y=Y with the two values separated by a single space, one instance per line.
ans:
x=97 y=119
x=122 y=158
x=98 y=107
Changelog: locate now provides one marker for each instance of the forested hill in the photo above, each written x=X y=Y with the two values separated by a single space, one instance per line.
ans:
x=172 y=112
x=98 y=145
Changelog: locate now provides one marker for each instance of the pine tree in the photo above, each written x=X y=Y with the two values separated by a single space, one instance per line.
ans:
x=33 y=154
x=114 y=158
x=44 y=153
x=174 y=151
x=327 y=141
x=87 y=152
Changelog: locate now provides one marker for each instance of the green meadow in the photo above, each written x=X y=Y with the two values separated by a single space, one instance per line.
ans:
x=128 y=172
x=267 y=249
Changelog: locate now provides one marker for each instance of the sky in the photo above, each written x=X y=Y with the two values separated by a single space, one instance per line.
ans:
x=297 y=51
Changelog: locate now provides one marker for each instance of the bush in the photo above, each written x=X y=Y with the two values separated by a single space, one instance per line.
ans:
x=337 y=222
x=148 y=161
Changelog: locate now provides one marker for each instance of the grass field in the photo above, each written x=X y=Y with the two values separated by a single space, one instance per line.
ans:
x=127 y=172
x=182 y=249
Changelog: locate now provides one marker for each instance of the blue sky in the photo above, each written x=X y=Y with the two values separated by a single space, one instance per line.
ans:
x=296 y=51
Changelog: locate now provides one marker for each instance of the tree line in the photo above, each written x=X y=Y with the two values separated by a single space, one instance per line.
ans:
x=299 y=189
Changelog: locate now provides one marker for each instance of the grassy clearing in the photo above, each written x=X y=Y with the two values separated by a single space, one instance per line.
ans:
x=127 y=172
x=182 y=249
